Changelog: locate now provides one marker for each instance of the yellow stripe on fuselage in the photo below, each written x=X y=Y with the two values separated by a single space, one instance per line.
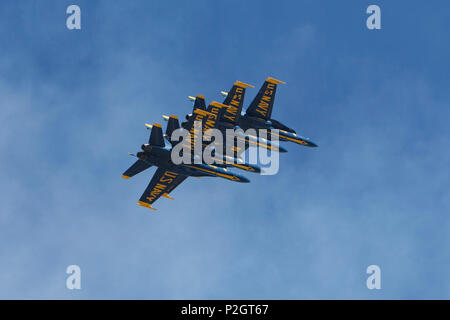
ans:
x=237 y=165
x=259 y=144
x=234 y=178
x=247 y=168
x=299 y=141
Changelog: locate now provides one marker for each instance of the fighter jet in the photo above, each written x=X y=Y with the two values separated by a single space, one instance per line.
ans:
x=169 y=175
x=209 y=117
x=258 y=114
x=234 y=101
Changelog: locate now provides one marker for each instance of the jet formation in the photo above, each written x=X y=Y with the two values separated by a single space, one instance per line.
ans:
x=220 y=116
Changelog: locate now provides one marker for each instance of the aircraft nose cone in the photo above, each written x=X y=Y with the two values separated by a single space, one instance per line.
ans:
x=257 y=169
x=281 y=149
x=307 y=143
x=243 y=179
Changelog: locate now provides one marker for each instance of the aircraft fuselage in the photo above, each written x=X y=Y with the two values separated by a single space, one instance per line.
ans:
x=284 y=134
x=161 y=157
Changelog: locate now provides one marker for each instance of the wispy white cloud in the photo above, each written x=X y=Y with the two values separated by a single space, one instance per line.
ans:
x=374 y=192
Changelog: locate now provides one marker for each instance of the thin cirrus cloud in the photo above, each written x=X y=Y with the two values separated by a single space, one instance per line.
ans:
x=73 y=104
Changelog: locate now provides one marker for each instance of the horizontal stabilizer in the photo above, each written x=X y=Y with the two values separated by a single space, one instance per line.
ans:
x=136 y=168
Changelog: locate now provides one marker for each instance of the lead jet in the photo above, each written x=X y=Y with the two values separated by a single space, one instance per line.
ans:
x=229 y=120
x=169 y=175
x=258 y=114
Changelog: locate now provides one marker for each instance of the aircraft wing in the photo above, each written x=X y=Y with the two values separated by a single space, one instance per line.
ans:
x=162 y=183
x=261 y=106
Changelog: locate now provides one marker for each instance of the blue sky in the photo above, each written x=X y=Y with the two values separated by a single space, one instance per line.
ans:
x=376 y=191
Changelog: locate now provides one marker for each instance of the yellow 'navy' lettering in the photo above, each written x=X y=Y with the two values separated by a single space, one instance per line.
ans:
x=232 y=109
x=263 y=105
x=160 y=187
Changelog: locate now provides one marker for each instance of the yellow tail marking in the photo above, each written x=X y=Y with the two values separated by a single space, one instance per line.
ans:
x=243 y=85
x=125 y=177
x=274 y=81
x=217 y=104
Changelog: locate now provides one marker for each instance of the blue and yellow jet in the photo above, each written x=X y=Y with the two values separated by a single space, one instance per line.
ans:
x=229 y=120
x=258 y=114
x=209 y=117
x=169 y=175
x=219 y=116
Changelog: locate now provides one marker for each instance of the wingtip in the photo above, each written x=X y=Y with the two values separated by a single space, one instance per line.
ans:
x=144 y=204
x=165 y=195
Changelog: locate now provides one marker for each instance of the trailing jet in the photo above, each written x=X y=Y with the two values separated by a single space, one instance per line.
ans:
x=258 y=114
x=169 y=175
